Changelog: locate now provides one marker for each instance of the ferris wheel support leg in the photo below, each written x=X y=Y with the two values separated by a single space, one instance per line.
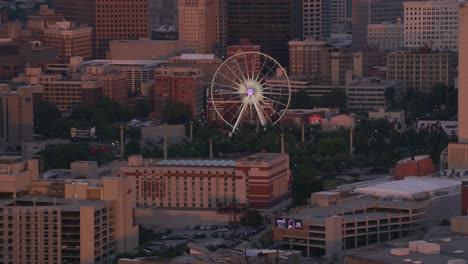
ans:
x=241 y=116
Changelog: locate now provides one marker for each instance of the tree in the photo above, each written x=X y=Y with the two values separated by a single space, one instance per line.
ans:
x=48 y=120
x=305 y=182
x=176 y=113
x=132 y=147
x=301 y=100
x=60 y=156
x=253 y=218
x=142 y=108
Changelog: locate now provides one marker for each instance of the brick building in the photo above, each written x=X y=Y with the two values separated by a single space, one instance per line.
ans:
x=259 y=181
x=110 y=20
x=184 y=85
x=69 y=40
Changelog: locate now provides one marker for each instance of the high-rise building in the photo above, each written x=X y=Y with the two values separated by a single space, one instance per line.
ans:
x=432 y=24
x=69 y=40
x=163 y=13
x=196 y=27
x=184 y=85
x=221 y=27
x=263 y=22
x=316 y=19
x=386 y=36
x=110 y=19
x=458 y=152
x=16 y=116
x=365 y=12
x=340 y=16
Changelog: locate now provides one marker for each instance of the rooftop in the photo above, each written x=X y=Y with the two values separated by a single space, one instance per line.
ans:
x=122 y=62
x=193 y=56
x=198 y=163
x=409 y=187
x=262 y=157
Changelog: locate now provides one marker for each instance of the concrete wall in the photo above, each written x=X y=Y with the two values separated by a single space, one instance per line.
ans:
x=438 y=210
x=171 y=218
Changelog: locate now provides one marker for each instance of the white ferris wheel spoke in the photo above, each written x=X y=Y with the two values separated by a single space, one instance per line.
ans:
x=240 y=70
x=240 y=80
x=241 y=116
x=230 y=87
x=258 y=108
x=227 y=78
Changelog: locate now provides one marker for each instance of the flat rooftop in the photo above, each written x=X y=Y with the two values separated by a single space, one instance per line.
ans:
x=409 y=187
x=45 y=201
x=122 y=62
x=197 y=163
x=262 y=157
x=456 y=248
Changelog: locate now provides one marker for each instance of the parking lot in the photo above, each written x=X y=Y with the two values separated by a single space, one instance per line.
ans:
x=212 y=236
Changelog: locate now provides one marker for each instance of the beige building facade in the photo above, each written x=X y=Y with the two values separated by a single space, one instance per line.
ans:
x=386 y=36
x=196 y=26
x=420 y=70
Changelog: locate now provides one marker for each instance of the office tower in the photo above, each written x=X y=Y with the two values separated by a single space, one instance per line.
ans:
x=432 y=24
x=114 y=82
x=366 y=12
x=340 y=16
x=69 y=40
x=163 y=13
x=421 y=69
x=221 y=27
x=196 y=26
x=316 y=19
x=110 y=19
x=263 y=22
x=16 y=116
x=184 y=85
x=458 y=152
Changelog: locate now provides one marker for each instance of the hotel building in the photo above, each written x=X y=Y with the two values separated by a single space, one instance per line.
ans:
x=259 y=181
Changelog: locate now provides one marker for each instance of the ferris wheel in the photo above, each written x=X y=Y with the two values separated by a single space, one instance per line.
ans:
x=250 y=87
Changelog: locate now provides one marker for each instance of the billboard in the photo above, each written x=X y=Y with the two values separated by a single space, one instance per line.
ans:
x=450 y=127
x=288 y=223
x=83 y=133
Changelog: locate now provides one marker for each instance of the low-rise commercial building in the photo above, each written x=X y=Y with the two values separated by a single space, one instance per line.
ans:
x=373 y=93
x=17 y=174
x=144 y=49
